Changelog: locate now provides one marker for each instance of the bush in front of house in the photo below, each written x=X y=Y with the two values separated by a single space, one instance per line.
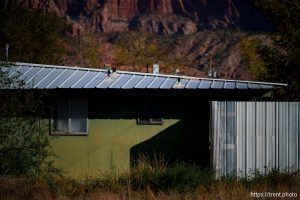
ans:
x=24 y=145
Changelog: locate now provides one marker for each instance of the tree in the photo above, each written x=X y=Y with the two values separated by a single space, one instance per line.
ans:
x=278 y=61
x=24 y=145
x=138 y=50
x=89 y=50
x=32 y=34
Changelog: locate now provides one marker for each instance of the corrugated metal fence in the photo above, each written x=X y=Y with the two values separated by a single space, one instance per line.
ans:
x=250 y=136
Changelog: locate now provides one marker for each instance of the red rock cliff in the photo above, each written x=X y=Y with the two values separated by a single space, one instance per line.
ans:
x=157 y=16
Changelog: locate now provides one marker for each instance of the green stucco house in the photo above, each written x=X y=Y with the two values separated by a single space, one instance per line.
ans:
x=101 y=120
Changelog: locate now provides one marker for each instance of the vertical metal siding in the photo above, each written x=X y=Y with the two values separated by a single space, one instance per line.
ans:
x=241 y=139
x=249 y=136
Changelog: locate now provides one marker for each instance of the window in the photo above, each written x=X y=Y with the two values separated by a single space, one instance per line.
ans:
x=69 y=117
x=150 y=114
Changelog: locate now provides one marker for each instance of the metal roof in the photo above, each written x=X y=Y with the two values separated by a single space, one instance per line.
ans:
x=38 y=76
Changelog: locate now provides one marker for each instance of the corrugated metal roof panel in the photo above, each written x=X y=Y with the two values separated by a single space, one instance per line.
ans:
x=241 y=85
x=253 y=86
x=31 y=76
x=144 y=82
x=156 y=83
x=109 y=80
x=169 y=83
x=121 y=81
x=229 y=85
x=266 y=86
x=193 y=84
x=12 y=70
x=132 y=82
x=96 y=80
x=39 y=76
x=61 y=78
x=30 y=73
x=50 y=77
x=181 y=84
x=85 y=79
x=73 y=79
x=23 y=70
x=205 y=84
x=217 y=84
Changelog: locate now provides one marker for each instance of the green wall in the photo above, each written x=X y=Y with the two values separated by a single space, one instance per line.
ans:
x=106 y=148
x=114 y=137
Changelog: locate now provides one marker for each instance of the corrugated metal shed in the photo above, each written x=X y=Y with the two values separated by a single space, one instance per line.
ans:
x=52 y=77
x=250 y=136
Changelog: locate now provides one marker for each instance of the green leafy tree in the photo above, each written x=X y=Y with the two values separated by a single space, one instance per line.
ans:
x=33 y=35
x=280 y=60
x=24 y=145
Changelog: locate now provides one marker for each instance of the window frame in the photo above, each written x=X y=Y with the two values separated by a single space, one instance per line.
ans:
x=146 y=113
x=69 y=132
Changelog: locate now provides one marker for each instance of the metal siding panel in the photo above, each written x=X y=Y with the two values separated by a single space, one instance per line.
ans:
x=260 y=136
x=96 y=80
x=277 y=135
x=292 y=137
x=121 y=81
x=216 y=138
x=229 y=85
x=217 y=84
x=132 y=82
x=266 y=132
x=169 y=83
x=61 y=78
x=271 y=134
x=223 y=149
x=230 y=137
x=251 y=147
x=241 y=138
x=193 y=84
x=72 y=80
x=205 y=84
x=145 y=82
x=157 y=82
x=282 y=135
x=86 y=79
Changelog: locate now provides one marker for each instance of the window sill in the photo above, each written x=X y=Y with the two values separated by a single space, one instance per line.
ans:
x=67 y=134
x=149 y=122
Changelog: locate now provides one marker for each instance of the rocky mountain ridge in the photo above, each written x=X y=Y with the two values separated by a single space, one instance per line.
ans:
x=154 y=16
x=206 y=26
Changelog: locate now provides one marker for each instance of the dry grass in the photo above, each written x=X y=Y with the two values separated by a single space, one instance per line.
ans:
x=149 y=181
x=67 y=189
